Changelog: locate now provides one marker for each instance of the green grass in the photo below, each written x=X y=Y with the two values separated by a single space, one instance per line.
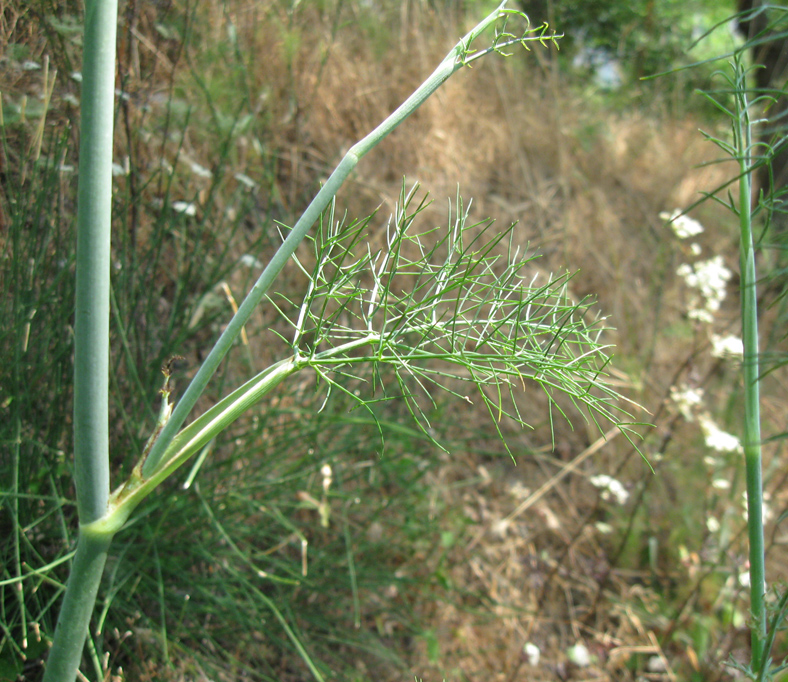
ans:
x=36 y=276
x=245 y=554
x=162 y=263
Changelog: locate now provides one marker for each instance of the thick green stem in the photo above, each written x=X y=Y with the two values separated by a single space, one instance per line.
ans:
x=77 y=608
x=752 y=419
x=91 y=332
x=91 y=323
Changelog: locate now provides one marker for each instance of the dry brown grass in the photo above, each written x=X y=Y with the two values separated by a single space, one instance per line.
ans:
x=586 y=188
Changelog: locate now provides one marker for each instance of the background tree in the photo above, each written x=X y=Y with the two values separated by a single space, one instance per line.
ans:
x=764 y=27
x=642 y=36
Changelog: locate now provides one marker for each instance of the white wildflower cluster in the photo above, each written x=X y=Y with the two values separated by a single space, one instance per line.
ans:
x=518 y=491
x=328 y=475
x=709 y=278
x=184 y=207
x=716 y=438
x=610 y=488
x=683 y=226
x=686 y=399
x=121 y=170
x=250 y=261
x=726 y=346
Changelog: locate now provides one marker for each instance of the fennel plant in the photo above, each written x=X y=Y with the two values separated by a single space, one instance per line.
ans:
x=459 y=311
x=753 y=151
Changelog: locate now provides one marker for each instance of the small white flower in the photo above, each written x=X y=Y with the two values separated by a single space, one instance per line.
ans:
x=245 y=180
x=532 y=653
x=185 y=207
x=744 y=578
x=686 y=399
x=726 y=346
x=716 y=438
x=500 y=527
x=695 y=249
x=327 y=474
x=712 y=524
x=713 y=277
x=682 y=225
x=250 y=261
x=610 y=488
x=579 y=655
x=200 y=171
x=700 y=314
x=518 y=491
x=604 y=528
x=721 y=484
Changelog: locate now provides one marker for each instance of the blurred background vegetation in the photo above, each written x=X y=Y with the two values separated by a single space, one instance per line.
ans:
x=410 y=561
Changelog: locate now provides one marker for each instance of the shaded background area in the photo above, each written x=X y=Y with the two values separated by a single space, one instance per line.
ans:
x=432 y=564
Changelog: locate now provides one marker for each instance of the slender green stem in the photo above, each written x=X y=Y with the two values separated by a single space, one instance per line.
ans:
x=455 y=60
x=752 y=419
x=91 y=330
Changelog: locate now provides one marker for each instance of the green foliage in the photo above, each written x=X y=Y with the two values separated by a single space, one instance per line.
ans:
x=36 y=276
x=647 y=36
x=464 y=308
x=257 y=545
x=611 y=49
